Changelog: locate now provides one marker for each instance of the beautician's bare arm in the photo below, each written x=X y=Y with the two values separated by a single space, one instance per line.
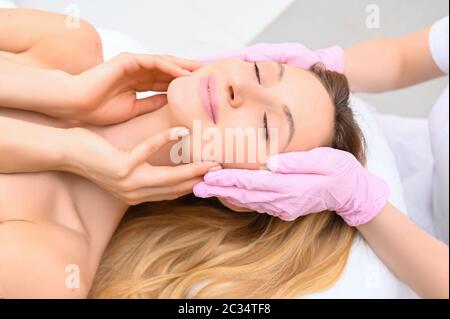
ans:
x=29 y=147
x=37 y=63
x=390 y=64
x=35 y=89
x=414 y=256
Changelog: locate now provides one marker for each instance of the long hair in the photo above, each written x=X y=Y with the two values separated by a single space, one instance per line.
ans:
x=196 y=248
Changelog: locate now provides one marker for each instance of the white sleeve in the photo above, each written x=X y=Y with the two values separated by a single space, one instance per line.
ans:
x=438 y=41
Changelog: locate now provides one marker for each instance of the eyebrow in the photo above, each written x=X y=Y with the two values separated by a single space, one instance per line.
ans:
x=290 y=120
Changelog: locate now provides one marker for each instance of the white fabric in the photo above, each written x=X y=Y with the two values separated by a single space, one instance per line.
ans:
x=439 y=132
x=438 y=41
x=415 y=164
x=116 y=42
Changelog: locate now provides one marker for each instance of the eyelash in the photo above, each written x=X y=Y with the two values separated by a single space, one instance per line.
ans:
x=257 y=72
x=266 y=129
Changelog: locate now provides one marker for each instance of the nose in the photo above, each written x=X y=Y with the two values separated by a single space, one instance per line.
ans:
x=239 y=92
x=235 y=94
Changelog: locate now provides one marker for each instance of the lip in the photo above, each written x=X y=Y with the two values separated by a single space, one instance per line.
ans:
x=209 y=97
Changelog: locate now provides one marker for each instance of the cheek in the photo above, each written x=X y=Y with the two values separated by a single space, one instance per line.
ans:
x=183 y=102
x=240 y=145
x=238 y=150
x=177 y=90
x=223 y=148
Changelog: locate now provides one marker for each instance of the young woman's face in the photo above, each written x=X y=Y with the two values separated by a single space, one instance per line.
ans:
x=232 y=94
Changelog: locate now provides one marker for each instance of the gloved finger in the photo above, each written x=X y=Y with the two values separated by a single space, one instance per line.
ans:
x=265 y=208
x=247 y=54
x=260 y=207
x=243 y=178
x=294 y=54
x=220 y=56
x=321 y=160
x=242 y=196
x=234 y=205
x=332 y=57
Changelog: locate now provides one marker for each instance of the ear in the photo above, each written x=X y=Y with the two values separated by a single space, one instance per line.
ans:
x=233 y=207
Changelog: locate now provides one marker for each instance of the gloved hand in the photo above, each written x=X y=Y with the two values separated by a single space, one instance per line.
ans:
x=294 y=54
x=301 y=183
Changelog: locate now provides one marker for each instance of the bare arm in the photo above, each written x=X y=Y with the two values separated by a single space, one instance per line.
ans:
x=413 y=256
x=29 y=147
x=384 y=65
x=33 y=89
x=38 y=62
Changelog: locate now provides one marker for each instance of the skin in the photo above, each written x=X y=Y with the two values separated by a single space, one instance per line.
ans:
x=243 y=101
x=395 y=63
x=51 y=219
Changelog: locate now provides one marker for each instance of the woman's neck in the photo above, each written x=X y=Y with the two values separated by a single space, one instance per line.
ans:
x=128 y=134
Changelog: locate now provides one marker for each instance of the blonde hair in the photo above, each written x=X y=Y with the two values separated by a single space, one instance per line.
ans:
x=198 y=248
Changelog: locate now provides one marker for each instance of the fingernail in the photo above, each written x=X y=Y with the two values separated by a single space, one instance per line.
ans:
x=215 y=168
x=187 y=73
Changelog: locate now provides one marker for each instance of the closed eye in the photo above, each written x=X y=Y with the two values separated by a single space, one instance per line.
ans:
x=257 y=72
x=266 y=129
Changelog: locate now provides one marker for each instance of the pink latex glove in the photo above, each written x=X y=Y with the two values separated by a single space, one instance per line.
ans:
x=300 y=183
x=294 y=54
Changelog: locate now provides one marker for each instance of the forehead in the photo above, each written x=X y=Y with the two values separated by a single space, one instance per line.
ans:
x=311 y=108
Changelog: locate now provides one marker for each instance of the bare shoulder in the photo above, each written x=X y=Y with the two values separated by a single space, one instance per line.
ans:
x=43 y=261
